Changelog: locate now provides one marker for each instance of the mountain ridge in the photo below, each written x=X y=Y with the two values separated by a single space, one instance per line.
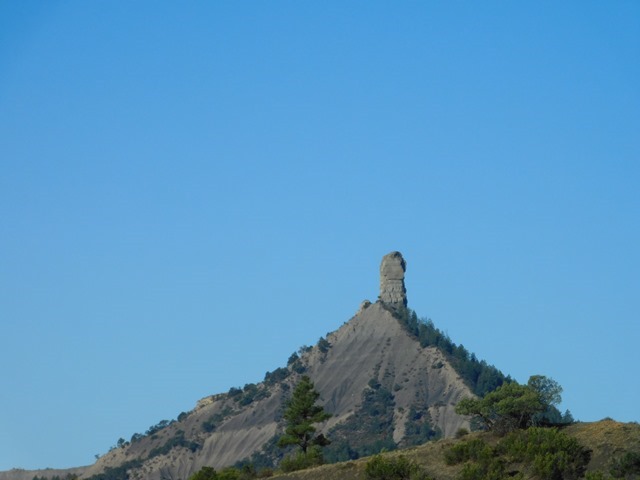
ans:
x=373 y=357
x=371 y=348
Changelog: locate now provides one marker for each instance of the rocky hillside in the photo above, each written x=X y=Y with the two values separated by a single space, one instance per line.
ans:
x=368 y=354
x=382 y=387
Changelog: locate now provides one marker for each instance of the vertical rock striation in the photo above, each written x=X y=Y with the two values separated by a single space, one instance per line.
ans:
x=392 y=290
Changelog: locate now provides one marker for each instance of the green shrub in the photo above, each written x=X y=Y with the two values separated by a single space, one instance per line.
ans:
x=205 y=473
x=418 y=427
x=159 y=426
x=543 y=453
x=265 y=473
x=487 y=469
x=324 y=345
x=393 y=468
x=471 y=471
x=302 y=460
x=475 y=450
x=368 y=431
x=596 y=475
x=552 y=454
x=209 y=425
x=627 y=466
x=277 y=376
x=251 y=393
x=482 y=460
x=228 y=473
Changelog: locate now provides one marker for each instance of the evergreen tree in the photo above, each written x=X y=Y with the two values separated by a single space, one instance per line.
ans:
x=301 y=413
x=512 y=406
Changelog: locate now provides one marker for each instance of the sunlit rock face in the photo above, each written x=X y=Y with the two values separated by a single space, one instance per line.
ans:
x=392 y=290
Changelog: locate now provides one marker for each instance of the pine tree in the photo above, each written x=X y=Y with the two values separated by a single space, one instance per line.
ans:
x=301 y=413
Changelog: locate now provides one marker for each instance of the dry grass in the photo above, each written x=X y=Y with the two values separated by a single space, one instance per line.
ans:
x=430 y=456
x=607 y=439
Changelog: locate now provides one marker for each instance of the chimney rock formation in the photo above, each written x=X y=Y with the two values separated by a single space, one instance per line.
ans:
x=392 y=290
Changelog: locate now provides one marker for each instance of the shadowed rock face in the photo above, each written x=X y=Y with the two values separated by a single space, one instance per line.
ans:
x=392 y=290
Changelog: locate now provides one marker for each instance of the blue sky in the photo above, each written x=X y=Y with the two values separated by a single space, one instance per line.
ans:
x=191 y=191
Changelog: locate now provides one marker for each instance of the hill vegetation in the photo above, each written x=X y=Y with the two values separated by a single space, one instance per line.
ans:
x=605 y=450
x=385 y=382
x=481 y=377
x=512 y=411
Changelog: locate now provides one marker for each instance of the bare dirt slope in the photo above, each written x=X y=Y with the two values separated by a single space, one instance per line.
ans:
x=371 y=346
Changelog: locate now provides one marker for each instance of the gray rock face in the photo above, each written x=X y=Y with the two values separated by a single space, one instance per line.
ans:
x=371 y=345
x=392 y=290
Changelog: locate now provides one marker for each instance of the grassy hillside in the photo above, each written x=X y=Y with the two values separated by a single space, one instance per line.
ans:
x=608 y=441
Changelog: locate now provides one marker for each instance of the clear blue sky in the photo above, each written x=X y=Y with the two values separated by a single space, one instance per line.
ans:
x=190 y=191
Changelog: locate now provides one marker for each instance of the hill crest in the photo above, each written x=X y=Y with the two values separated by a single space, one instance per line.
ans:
x=371 y=351
x=382 y=387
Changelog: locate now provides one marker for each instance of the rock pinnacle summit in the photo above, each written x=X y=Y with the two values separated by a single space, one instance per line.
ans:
x=392 y=290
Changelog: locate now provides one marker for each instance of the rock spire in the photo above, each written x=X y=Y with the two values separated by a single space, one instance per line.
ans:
x=392 y=291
